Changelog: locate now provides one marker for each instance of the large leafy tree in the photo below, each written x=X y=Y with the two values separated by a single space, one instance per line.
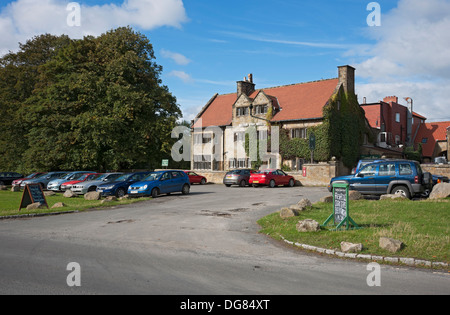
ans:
x=100 y=104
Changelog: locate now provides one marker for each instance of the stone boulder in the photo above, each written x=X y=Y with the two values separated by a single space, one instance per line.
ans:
x=35 y=206
x=49 y=193
x=58 y=205
x=288 y=213
x=3 y=187
x=392 y=196
x=326 y=199
x=308 y=225
x=440 y=191
x=355 y=195
x=69 y=194
x=391 y=244
x=94 y=195
x=304 y=204
x=347 y=247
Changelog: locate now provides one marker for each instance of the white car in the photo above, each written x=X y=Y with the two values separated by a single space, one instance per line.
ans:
x=88 y=186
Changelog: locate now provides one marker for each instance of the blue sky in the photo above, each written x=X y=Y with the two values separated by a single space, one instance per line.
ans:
x=206 y=46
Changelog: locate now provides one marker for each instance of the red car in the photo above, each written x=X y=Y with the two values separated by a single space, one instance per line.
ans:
x=83 y=178
x=271 y=178
x=194 y=178
x=17 y=182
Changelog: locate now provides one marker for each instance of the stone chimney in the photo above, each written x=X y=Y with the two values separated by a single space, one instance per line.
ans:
x=246 y=86
x=347 y=78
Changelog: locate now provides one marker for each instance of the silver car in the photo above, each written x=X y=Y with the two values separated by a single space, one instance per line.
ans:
x=55 y=185
x=89 y=186
x=43 y=180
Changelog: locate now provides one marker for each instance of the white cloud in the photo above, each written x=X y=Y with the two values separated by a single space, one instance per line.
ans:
x=22 y=19
x=411 y=57
x=178 y=58
x=181 y=75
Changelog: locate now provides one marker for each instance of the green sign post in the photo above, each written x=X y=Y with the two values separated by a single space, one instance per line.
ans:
x=341 y=216
x=165 y=163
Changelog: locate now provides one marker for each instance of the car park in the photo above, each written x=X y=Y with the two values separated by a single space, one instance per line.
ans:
x=239 y=177
x=91 y=185
x=119 y=187
x=43 y=180
x=83 y=178
x=162 y=182
x=17 y=182
x=388 y=177
x=55 y=185
x=194 y=178
x=6 y=178
x=271 y=178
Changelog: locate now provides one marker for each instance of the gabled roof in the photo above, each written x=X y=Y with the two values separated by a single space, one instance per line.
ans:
x=297 y=102
x=432 y=132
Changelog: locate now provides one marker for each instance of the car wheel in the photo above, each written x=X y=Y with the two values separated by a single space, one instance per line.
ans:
x=402 y=190
x=203 y=181
x=120 y=193
x=242 y=183
x=228 y=185
x=92 y=188
x=272 y=184
x=291 y=183
x=186 y=189
x=155 y=192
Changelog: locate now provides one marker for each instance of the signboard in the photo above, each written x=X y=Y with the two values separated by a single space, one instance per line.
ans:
x=165 y=163
x=312 y=141
x=32 y=194
x=341 y=214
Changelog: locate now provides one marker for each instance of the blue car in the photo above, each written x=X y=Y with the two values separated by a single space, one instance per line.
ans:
x=388 y=177
x=162 y=182
x=120 y=186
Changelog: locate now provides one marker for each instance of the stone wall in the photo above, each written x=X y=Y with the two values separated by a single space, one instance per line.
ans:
x=311 y=175
x=436 y=169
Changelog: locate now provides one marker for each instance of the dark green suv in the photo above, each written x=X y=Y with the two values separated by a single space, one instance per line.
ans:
x=388 y=177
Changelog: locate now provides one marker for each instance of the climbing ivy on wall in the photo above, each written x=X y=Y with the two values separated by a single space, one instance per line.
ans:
x=340 y=135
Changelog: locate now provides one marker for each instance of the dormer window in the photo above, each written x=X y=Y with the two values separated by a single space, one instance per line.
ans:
x=260 y=109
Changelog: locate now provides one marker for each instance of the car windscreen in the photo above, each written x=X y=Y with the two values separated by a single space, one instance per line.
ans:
x=110 y=177
x=124 y=178
x=152 y=177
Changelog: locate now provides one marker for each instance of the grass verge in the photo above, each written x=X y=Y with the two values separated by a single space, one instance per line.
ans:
x=10 y=202
x=423 y=226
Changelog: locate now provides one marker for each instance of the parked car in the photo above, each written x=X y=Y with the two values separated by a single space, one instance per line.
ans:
x=55 y=185
x=271 y=178
x=17 y=182
x=43 y=180
x=194 y=178
x=119 y=187
x=91 y=185
x=237 y=177
x=83 y=178
x=6 y=178
x=388 y=177
x=162 y=182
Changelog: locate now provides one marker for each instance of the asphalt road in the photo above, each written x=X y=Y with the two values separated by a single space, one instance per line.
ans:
x=206 y=243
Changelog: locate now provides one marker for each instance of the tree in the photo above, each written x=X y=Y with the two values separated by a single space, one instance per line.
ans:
x=99 y=104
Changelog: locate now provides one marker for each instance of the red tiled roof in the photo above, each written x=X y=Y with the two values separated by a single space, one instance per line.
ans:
x=432 y=132
x=298 y=102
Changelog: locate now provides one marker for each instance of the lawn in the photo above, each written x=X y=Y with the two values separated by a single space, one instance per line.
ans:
x=423 y=226
x=10 y=202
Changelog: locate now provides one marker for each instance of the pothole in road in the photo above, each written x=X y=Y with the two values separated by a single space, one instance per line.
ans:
x=215 y=214
x=121 y=221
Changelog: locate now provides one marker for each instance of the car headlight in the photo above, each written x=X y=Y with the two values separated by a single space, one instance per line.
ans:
x=145 y=187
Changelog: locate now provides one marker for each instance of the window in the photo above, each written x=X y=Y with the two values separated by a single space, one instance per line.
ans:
x=242 y=111
x=200 y=139
x=424 y=140
x=397 y=117
x=202 y=162
x=387 y=170
x=405 y=169
x=397 y=139
x=261 y=109
x=369 y=170
x=300 y=133
x=239 y=136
